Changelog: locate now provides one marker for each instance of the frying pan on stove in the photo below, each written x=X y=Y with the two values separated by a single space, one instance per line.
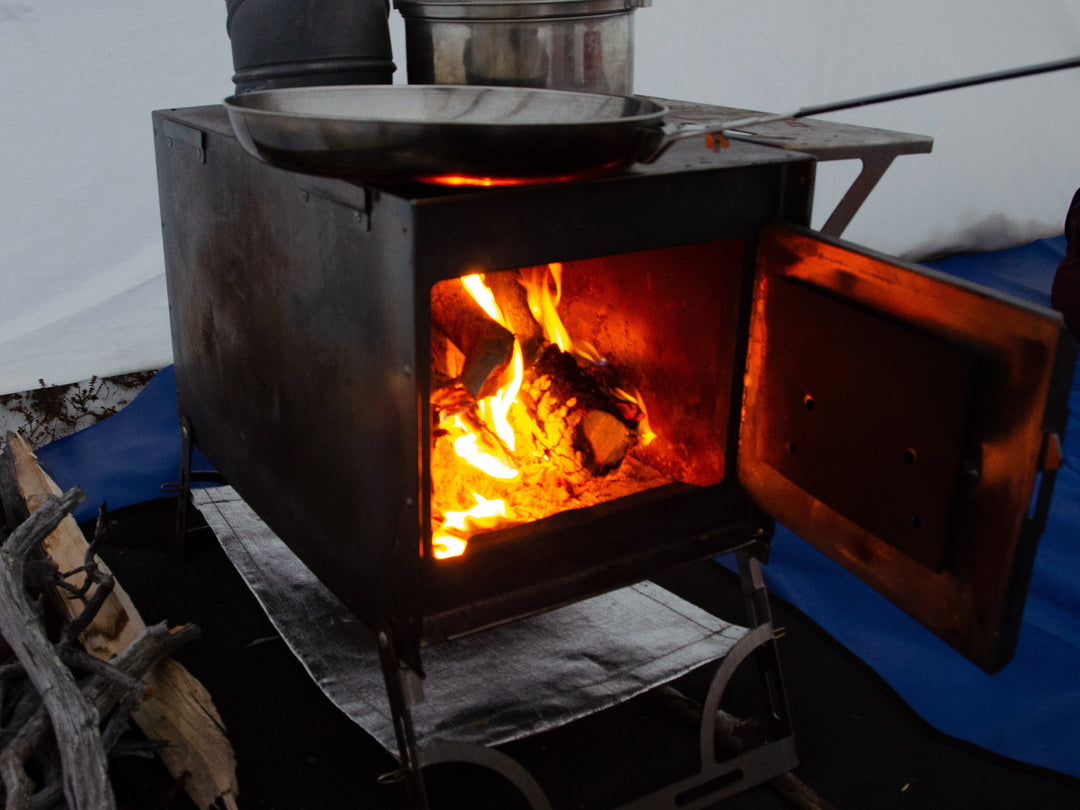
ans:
x=395 y=133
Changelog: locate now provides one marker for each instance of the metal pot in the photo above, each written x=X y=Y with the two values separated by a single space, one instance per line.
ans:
x=584 y=45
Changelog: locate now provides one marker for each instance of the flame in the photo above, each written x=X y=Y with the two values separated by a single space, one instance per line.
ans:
x=475 y=286
x=544 y=302
x=484 y=515
x=468 y=448
x=446 y=545
x=494 y=409
x=645 y=433
x=543 y=286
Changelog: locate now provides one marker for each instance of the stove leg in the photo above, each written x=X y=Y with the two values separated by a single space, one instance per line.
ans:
x=756 y=600
x=401 y=710
x=183 y=489
x=506 y=766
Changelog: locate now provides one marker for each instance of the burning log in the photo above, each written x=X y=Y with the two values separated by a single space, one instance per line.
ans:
x=487 y=347
x=554 y=436
x=513 y=301
x=578 y=421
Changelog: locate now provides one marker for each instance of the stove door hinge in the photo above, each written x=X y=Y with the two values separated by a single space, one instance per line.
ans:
x=332 y=196
x=1051 y=456
x=185 y=140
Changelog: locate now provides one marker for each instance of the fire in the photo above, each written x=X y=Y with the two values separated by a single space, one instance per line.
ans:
x=645 y=433
x=483 y=435
x=467 y=446
x=483 y=181
x=543 y=286
x=480 y=292
x=544 y=302
x=484 y=515
x=446 y=545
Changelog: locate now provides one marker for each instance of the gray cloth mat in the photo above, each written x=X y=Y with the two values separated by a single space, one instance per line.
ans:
x=487 y=688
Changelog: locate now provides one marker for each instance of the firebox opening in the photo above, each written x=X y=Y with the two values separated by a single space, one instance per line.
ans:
x=576 y=383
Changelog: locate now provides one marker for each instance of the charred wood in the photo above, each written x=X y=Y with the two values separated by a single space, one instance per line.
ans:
x=578 y=422
x=513 y=302
x=487 y=347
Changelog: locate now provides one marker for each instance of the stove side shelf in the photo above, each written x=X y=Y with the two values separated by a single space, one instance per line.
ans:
x=876 y=149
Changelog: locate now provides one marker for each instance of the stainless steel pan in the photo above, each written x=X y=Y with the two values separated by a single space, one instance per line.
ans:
x=387 y=133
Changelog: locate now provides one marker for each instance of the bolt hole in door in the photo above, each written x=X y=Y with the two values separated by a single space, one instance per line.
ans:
x=791 y=448
x=909 y=456
x=915 y=522
x=808 y=401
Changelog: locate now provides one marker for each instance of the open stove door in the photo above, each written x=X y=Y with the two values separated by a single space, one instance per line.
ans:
x=907 y=424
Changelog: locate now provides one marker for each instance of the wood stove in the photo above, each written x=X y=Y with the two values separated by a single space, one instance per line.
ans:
x=900 y=420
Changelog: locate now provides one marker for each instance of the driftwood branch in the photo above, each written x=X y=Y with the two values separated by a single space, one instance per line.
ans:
x=74 y=721
x=176 y=708
x=101 y=692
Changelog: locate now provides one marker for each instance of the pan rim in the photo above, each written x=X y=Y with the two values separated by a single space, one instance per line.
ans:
x=237 y=102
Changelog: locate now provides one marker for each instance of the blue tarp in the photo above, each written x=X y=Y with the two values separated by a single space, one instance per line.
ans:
x=127 y=458
x=1029 y=711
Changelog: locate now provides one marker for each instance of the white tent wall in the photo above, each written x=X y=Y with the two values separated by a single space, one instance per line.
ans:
x=80 y=248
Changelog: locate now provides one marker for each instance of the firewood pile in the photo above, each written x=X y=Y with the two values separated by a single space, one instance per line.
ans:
x=78 y=665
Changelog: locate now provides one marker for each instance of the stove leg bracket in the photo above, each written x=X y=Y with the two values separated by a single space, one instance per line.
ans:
x=715 y=780
x=182 y=489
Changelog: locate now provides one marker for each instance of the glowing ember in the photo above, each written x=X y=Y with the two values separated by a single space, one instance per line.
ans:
x=480 y=181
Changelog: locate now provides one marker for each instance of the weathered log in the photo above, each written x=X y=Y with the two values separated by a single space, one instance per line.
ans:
x=181 y=710
x=487 y=347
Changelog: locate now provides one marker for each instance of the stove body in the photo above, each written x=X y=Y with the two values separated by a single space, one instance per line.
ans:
x=300 y=310
x=301 y=318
